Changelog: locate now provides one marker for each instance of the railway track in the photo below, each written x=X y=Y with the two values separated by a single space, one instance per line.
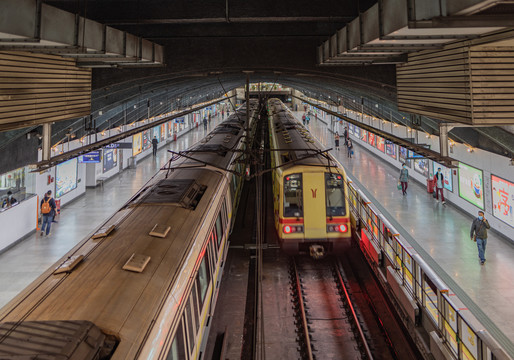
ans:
x=328 y=323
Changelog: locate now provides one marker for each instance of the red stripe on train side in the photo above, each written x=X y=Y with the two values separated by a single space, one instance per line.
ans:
x=290 y=221
x=338 y=220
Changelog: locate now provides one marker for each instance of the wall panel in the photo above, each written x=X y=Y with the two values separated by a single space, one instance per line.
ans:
x=472 y=85
x=40 y=88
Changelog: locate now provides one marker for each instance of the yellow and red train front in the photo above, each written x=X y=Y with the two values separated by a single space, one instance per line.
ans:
x=312 y=210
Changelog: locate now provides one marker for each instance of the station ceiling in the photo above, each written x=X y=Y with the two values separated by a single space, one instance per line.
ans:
x=208 y=45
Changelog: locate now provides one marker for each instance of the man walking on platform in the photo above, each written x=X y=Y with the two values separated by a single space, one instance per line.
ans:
x=479 y=234
x=154 y=144
x=48 y=211
x=404 y=178
x=439 y=185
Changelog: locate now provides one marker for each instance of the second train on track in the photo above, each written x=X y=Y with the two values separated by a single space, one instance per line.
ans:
x=310 y=207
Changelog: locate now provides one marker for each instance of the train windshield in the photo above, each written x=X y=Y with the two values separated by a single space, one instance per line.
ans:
x=334 y=190
x=293 y=198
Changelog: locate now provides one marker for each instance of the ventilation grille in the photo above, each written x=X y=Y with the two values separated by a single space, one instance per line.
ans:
x=186 y=193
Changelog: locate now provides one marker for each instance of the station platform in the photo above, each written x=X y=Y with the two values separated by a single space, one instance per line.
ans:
x=25 y=261
x=440 y=233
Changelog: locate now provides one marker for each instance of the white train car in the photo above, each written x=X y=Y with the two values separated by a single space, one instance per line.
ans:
x=144 y=284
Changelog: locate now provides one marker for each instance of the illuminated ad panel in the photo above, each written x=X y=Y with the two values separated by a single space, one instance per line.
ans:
x=65 y=177
x=137 y=144
x=471 y=185
x=372 y=140
x=380 y=143
x=503 y=199
x=390 y=149
x=110 y=160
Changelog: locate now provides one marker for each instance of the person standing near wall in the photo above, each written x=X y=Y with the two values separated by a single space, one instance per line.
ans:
x=48 y=211
x=404 y=178
x=478 y=233
x=439 y=185
x=346 y=137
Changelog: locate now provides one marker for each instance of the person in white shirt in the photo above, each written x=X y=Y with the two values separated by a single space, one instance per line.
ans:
x=439 y=185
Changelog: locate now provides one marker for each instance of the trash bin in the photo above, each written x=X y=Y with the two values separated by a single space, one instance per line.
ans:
x=132 y=162
x=430 y=185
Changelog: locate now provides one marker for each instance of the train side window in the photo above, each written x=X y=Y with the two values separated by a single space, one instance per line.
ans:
x=203 y=278
x=178 y=348
x=293 y=198
x=219 y=229
x=214 y=248
x=196 y=308
x=190 y=326
x=334 y=193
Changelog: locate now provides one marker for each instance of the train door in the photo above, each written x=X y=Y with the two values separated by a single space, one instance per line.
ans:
x=315 y=218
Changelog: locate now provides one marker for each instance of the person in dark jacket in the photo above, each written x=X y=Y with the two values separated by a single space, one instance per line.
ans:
x=346 y=137
x=9 y=200
x=479 y=234
x=404 y=178
x=48 y=217
x=154 y=144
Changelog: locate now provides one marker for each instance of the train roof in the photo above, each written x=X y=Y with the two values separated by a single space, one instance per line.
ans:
x=293 y=139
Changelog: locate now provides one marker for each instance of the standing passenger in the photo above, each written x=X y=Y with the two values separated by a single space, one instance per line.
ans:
x=48 y=211
x=349 y=145
x=404 y=178
x=439 y=185
x=303 y=118
x=336 y=140
x=346 y=137
x=154 y=144
x=479 y=234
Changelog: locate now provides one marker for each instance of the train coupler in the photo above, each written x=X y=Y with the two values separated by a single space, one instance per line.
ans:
x=317 y=251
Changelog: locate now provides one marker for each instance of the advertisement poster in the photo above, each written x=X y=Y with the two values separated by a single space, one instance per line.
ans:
x=390 y=149
x=447 y=173
x=357 y=131
x=364 y=135
x=110 y=159
x=137 y=144
x=380 y=143
x=503 y=199
x=147 y=140
x=471 y=185
x=351 y=128
x=163 y=132
x=402 y=155
x=422 y=166
x=65 y=177
x=156 y=132
x=372 y=140
x=170 y=128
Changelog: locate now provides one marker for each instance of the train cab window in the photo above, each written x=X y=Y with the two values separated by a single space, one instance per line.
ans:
x=334 y=191
x=196 y=309
x=293 y=198
x=178 y=348
x=202 y=279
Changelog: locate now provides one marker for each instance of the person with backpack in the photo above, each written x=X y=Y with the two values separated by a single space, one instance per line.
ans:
x=478 y=233
x=349 y=145
x=48 y=212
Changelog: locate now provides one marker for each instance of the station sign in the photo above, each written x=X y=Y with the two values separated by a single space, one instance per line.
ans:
x=118 y=146
x=90 y=157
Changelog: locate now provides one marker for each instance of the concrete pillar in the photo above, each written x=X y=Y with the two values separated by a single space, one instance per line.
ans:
x=47 y=143
x=443 y=139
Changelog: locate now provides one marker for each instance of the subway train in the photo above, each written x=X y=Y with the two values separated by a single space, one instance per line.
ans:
x=144 y=284
x=423 y=299
x=309 y=189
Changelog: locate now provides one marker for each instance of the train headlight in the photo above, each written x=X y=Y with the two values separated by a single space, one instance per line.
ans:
x=288 y=229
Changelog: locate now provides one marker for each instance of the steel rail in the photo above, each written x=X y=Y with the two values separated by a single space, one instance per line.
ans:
x=302 y=312
x=354 y=315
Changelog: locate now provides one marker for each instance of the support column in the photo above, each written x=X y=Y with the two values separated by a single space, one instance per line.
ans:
x=47 y=137
x=443 y=139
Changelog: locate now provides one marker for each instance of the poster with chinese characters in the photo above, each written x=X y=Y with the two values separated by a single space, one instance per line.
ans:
x=503 y=199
